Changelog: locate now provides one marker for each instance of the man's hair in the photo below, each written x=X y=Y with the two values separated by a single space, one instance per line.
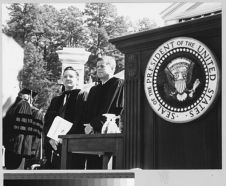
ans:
x=108 y=60
x=71 y=68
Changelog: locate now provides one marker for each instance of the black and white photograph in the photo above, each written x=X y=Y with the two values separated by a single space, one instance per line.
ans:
x=134 y=87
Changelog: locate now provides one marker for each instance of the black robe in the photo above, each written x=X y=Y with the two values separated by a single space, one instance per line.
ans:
x=37 y=132
x=102 y=99
x=71 y=111
x=19 y=129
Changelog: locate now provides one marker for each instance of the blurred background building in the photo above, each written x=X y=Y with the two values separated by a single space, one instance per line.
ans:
x=183 y=11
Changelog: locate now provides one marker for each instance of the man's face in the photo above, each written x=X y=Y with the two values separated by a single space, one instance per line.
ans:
x=103 y=70
x=70 y=79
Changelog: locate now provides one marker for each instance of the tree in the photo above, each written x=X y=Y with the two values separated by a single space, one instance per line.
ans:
x=22 y=23
x=102 y=20
x=33 y=75
x=99 y=16
x=50 y=40
x=36 y=34
x=145 y=24
x=60 y=28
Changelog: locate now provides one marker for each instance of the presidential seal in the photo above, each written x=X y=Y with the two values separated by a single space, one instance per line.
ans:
x=181 y=80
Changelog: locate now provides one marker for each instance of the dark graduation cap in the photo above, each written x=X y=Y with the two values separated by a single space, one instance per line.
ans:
x=28 y=91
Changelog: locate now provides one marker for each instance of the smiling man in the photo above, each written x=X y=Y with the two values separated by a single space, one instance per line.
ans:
x=65 y=106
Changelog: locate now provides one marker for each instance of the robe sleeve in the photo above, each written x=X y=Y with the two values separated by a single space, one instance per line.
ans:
x=97 y=123
x=21 y=143
x=37 y=132
x=118 y=103
x=37 y=122
x=78 y=127
x=23 y=116
x=51 y=113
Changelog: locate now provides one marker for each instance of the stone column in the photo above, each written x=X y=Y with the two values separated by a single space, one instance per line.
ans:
x=75 y=57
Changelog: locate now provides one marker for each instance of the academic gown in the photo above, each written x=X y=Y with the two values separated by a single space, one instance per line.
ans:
x=35 y=137
x=102 y=99
x=71 y=111
x=17 y=133
x=37 y=132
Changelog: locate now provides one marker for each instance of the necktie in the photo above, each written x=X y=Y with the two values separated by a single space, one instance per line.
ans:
x=66 y=96
x=65 y=99
x=64 y=105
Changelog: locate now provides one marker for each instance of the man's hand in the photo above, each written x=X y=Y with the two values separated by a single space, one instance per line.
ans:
x=53 y=143
x=88 y=129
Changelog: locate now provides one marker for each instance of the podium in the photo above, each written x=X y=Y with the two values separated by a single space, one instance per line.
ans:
x=104 y=144
x=150 y=141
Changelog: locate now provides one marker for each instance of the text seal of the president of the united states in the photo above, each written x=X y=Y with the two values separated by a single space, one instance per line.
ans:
x=181 y=79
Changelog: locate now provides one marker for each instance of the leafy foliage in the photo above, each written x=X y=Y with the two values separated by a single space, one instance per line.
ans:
x=71 y=26
x=23 y=21
x=104 y=24
x=36 y=34
x=145 y=24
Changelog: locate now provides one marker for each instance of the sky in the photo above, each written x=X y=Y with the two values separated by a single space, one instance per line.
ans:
x=133 y=11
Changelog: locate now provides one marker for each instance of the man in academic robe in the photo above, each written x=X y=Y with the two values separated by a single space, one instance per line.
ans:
x=67 y=105
x=18 y=131
x=105 y=98
x=36 y=138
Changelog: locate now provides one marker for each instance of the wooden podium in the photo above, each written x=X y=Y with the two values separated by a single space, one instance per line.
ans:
x=151 y=142
x=103 y=144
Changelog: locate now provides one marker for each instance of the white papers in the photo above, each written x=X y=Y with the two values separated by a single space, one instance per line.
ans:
x=110 y=125
x=59 y=126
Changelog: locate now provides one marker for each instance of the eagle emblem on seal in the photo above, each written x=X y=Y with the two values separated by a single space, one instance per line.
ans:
x=179 y=75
